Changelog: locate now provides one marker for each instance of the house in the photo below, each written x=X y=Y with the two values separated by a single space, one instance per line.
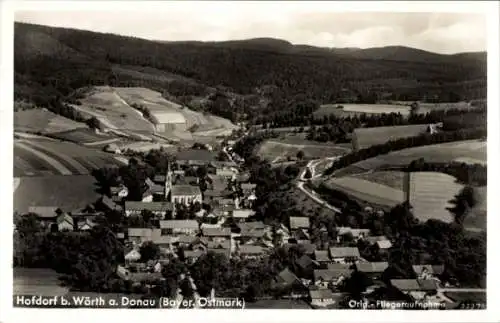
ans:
x=250 y=251
x=109 y=204
x=159 y=209
x=308 y=247
x=122 y=272
x=185 y=194
x=85 y=225
x=416 y=288
x=47 y=215
x=373 y=269
x=285 y=278
x=195 y=157
x=65 y=222
x=216 y=233
x=179 y=227
x=356 y=233
x=332 y=276
x=344 y=254
x=242 y=215
x=306 y=264
x=324 y=298
x=158 y=190
x=140 y=235
x=146 y=279
x=186 y=240
x=428 y=271
x=299 y=222
x=248 y=188
x=166 y=242
x=251 y=231
x=120 y=191
x=322 y=257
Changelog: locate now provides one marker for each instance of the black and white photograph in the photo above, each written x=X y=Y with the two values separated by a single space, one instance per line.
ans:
x=251 y=155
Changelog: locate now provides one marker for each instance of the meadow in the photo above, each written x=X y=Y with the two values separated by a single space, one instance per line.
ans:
x=344 y=110
x=43 y=121
x=282 y=148
x=48 y=157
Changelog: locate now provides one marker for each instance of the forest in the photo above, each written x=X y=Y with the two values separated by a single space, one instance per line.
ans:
x=64 y=60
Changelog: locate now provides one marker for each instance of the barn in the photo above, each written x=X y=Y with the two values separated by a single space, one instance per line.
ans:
x=167 y=120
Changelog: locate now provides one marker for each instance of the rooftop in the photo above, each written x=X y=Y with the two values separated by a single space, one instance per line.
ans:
x=286 y=276
x=297 y=222
x=431 y=269
x=179 y=224
x=321 y=255
x=321 y=294
x=151 y=206
x=182 y=190
x=216 y=232
x=251 y=249
x=330 y=274
x=196 y=155
x=342 y=252
x=372 y=267
x=243 y=213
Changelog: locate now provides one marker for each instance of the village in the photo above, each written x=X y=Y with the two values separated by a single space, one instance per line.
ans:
x=222 y=221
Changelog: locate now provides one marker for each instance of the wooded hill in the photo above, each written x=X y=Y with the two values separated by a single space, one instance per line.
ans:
x=51 y=62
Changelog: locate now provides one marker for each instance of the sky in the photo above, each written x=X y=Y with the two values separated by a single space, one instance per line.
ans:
x=298 y=23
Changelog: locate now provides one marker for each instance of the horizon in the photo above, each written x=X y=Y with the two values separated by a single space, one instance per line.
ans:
x=441 y=33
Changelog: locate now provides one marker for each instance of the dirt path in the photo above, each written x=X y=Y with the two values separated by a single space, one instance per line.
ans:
x=54 y=163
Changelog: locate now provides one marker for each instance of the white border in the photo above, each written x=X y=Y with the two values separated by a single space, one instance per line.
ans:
x=8 y=314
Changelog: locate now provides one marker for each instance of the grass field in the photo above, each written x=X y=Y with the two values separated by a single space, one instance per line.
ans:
x=430 y=193
x=83 y=136
x=473 y=149
x=282 y=148
x=366 y=137
x=44 y=121
x=356 y=109
x=392 y=179
x=70 y=193
x=47 y=157
x=37 y=281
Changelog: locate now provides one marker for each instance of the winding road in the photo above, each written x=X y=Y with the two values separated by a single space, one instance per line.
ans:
x=312 y=194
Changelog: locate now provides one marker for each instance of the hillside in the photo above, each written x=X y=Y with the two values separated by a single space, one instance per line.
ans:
x=51 y=62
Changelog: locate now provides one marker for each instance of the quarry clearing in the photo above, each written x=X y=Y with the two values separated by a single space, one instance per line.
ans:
x=114 y=107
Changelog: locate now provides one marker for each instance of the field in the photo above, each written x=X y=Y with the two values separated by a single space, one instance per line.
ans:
x=44 y=121
x=430 y=193
x=84 y=136
x=366 y=137
x=471 y=149
x=356 y=109
x=274 y=149
x=48 y=157
x=392 y=179
x=70 y=193
x=37 y=281
x=105 y=103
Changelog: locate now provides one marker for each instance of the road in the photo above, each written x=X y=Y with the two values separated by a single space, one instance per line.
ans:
x=315 y=197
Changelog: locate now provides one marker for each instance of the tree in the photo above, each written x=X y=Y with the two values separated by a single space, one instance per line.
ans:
x=357 y=283
x=300 y=154
x=93 y=123
x=149 y=251
x=462 y=203
x=147 y=216
x=308 y=174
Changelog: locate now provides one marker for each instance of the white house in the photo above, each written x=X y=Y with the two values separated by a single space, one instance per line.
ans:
x=178 y=227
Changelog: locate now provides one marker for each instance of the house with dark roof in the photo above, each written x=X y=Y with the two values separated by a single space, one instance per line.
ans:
x=356 y=234
x=322 y=257
x=250 y=251
x=344 y=254
x=332 y=276
x=308 y=247
x=372 y=269
x=417 y=288
x=216 y=233
x=286 y=278
x=159 y=209
x=109 y=204
x=306 y=264
x=186 y=194
x=195 y=157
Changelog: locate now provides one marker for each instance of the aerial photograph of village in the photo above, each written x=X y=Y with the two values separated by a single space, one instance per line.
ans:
x=259 y=170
